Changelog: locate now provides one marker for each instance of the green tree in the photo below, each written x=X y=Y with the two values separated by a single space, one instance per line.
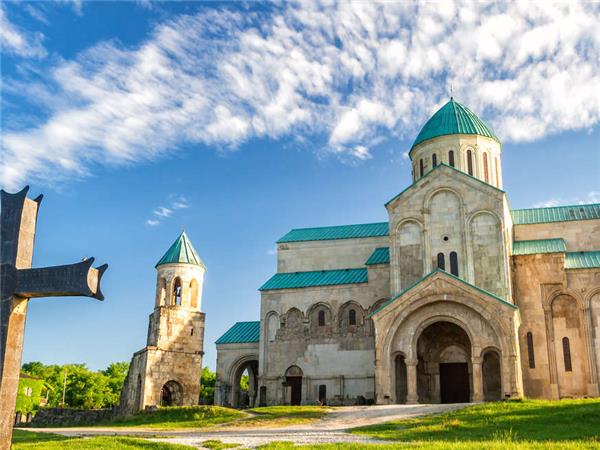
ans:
x=207 y=386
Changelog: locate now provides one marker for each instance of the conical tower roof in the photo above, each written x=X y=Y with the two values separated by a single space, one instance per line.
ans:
x=181 y=252
x=454 y=118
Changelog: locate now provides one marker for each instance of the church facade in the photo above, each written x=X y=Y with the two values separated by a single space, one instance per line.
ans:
x=455 y=298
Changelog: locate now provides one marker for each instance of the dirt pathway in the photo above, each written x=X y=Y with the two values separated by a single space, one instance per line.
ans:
x=329 y=429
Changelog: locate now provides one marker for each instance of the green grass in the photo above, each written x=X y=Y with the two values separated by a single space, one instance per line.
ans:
x=218 y=445
x=179 y=417
x=25 y=440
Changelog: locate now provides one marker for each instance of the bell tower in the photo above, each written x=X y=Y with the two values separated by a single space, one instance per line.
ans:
x=167 y=371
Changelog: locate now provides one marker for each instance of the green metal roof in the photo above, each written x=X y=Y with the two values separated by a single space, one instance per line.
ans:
x=181 y=252
x=539 y=246
x=453 y=118
x=241 y=332
x=381 y=255
x=315 y=278
x=364 y=230
x=430 y=274
x=556 y=214
x=582 y=260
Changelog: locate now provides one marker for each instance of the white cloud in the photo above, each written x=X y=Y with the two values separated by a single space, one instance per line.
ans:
x=177 y=202
x=19 y=42
x=590 y=197
x=547 y=203
x=354 y=72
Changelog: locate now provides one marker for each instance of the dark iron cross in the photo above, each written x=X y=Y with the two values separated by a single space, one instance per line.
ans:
x=18 y=283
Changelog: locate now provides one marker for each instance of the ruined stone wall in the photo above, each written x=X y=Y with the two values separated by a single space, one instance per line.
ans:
x=337 y=354
x=326 y=255
x=230 y=357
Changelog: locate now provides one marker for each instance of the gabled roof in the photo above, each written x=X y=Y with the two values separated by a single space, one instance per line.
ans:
x=315 y=278
x=241 y=332
x=436 y=168
x=453 y=118
x=181 y=252
x=555 y=214
x=539 y=246
x=364 y=230
x=432 y=273
x=582 y=260
x=380 y=255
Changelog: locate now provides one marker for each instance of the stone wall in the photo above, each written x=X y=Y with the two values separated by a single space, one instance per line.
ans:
x=61 y=417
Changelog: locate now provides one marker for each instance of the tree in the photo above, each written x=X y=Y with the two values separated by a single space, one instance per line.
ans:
x=207 y=386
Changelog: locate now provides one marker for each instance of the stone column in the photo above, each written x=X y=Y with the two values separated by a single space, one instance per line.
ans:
x=554 y=387
x=412 y=396
x=477 y=379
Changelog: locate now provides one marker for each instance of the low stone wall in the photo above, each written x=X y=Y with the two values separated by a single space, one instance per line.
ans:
x=70 y=417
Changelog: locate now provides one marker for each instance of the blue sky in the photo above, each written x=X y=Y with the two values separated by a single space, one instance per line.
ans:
x=238 y=122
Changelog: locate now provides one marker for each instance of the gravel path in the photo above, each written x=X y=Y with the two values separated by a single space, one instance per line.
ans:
x=327 y=430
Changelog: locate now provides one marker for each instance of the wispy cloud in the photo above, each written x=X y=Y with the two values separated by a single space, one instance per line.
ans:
x=350 y=71
x=17 y=41
x=590 y=197
x=163 y=212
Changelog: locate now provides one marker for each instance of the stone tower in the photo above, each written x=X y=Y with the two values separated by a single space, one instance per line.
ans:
x=167 y=371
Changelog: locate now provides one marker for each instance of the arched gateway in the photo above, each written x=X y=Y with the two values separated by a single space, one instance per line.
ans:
x=443 y=342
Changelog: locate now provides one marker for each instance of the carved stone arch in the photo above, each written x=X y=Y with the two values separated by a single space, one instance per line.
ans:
x=345 y=316
x=321 y=320
x=408 y=261
x=428 y=198
x=486 y=252
x=193 y=303
x=247 y=362
x=369 y=324
x=176 y=291
x=471 y=216
x=547 y=303
x=587 y=301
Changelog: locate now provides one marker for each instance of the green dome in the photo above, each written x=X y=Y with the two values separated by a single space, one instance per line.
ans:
x=181 y=252
x=453 y=118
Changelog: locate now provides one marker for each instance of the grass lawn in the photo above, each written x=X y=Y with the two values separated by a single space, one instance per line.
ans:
x=526 y=424
x=179 y=417
x=24 y=440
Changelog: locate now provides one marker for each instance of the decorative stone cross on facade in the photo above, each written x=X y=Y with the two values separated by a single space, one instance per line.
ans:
x=18 y=283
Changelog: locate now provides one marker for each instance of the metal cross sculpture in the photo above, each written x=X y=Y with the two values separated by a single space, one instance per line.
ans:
x=18 y=283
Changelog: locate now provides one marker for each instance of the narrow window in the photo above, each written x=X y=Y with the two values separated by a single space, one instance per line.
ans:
x=497 y=175
x=192 y=332
x=470 y=162
x=421 y=167
x=321 y=318
x=451 y=157
x=177 y=291
x=530 y=350
x=441 y=263
x=454 y=263
x=434 y=159
x=352 y=317
x=567 y=354
x=486 y=174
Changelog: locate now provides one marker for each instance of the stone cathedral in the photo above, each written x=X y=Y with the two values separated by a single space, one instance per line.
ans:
x=167 y=371
x=455 y=298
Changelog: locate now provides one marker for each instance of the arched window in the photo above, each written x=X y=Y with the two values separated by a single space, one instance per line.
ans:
x=434 y=159
x=486 y=174
x=497 y=175
x=441 y=263
x=567 y=354
x=352 y=317
x=194 y=293
x=451 y=157
x=454 y=263
x=470 y=162
x=421 y=166
x=530 y=352
x=177 y=291
x=321 y=318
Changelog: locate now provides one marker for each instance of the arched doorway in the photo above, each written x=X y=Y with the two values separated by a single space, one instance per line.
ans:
x=293 y=385
x=171 y=394
x=444 y=369
x=244 y=383
x=401 y=386
x=492 y=383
